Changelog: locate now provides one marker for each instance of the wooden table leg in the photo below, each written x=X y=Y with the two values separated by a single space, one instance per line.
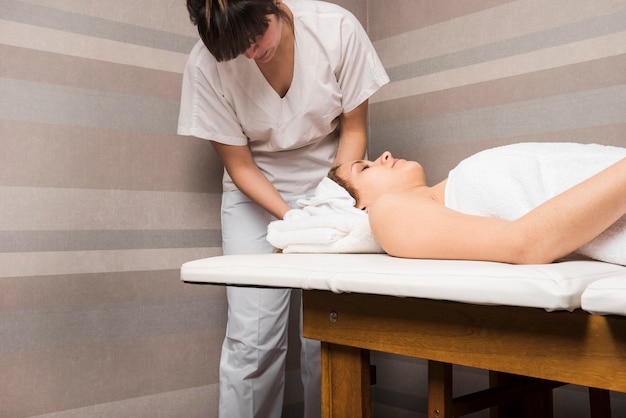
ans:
x=536 y=404
x=600 y=403
x=345 y=382
x=439 y=390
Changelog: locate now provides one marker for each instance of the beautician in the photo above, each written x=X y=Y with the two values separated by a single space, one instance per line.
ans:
x=281 y=90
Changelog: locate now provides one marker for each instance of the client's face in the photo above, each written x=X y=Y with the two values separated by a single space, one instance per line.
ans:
x=386 y=174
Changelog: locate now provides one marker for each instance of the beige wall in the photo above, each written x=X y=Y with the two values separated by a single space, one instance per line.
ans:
x=100 y=204
x=100 y=201
x=474 y=74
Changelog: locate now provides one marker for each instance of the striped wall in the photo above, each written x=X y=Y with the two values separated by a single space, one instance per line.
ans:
x=100 y=203
x=473 y=74
x=497 y=71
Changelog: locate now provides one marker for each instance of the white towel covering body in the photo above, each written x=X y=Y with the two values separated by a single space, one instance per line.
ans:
x=507 y=182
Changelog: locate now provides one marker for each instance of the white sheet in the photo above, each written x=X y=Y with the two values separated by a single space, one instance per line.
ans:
x=556 y=286
x=606 y=297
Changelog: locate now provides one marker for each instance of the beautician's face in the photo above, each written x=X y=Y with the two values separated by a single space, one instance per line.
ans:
x=386 y=174
x=264 y=47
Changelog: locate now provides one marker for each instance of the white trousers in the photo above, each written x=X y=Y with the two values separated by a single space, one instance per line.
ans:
x=252 y=366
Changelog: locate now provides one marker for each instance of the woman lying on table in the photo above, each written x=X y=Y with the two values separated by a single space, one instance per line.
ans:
x=524 y=203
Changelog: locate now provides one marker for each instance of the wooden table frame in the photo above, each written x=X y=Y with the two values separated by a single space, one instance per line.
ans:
x=570 y=347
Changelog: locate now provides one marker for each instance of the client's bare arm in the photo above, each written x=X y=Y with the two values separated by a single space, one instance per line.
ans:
x=414 y=226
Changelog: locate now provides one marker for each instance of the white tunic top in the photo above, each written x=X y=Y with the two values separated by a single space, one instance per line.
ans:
x=293 y=139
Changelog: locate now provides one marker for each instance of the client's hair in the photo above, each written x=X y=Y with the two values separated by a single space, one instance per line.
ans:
x=332 y=174
x=229 y=27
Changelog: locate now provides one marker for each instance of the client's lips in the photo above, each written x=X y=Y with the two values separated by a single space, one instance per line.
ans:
x=394 y=162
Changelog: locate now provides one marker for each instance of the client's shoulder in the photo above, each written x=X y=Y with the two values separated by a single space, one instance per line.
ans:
x=404 y=222
x=394 y=210
x=402 y=202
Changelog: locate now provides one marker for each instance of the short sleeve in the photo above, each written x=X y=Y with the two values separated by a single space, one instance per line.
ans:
x=204 y=110
x=360 y=72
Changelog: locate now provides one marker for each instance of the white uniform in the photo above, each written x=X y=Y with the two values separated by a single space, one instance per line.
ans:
x=293 y=141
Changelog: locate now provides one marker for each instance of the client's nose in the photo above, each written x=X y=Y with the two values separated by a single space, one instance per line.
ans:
x=385 y=156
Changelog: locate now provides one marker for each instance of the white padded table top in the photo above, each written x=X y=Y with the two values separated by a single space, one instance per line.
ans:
x=606 y=297
x=556 y=286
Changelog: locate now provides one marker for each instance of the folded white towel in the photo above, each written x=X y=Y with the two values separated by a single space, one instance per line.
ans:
x=327 y=222
x=509 y=181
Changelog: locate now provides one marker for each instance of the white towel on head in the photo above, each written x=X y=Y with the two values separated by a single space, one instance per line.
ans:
x=509 y=181
x=327 y=222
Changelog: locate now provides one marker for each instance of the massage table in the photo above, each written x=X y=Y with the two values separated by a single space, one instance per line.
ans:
x=559 y=323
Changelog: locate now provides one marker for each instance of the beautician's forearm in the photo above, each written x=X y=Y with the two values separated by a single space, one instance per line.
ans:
x=257 y=187
x=249 y=179
x=352 y=136
x=351 y=148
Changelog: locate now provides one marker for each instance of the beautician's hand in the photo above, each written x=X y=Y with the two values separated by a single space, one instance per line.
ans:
x=295 y=214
